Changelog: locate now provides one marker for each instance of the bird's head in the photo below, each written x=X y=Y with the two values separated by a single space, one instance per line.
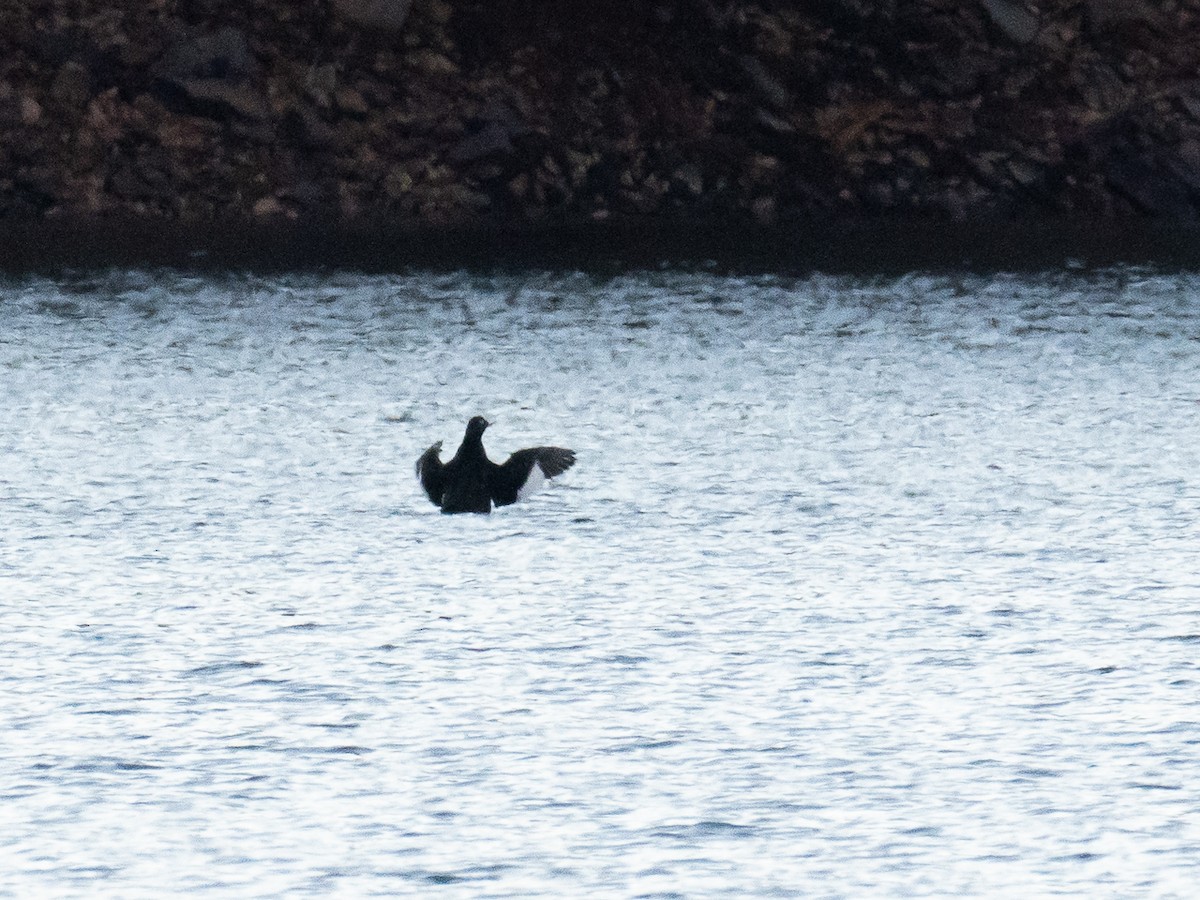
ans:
x=477 y=426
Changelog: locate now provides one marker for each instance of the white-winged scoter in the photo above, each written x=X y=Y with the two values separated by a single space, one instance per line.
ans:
x=471 y=482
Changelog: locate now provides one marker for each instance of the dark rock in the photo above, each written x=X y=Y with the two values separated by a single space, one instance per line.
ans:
x=378 y=15
x=72 y=86
x=960 y=73
x=351 y=103
x=397 y=183
x=320 y=84
x=223 y=55
x=55 y=46
x=766 y=87
x=30 y=110
x=1185 y=165
x=144 y=178
x=212 y=75
x=93 y=50
x=1011 y=17
x=768 y=121
x=124 y=182
x=305 y=192
x=490 y=140
x=218 y=99
x=1191 y=105
x=430 y=62
x=690 y=179
x=1103 y=13
x=10 y=114
x=1150 y=189
x=1024 y=172
x=490 y=135
x=518 y=186
x=38 y=182
x=270 y=208
x=764 y=209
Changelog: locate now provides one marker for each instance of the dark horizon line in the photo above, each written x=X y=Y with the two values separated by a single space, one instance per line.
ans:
x=862 y=247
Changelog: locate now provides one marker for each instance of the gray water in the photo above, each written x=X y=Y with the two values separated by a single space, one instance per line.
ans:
x=859 y=587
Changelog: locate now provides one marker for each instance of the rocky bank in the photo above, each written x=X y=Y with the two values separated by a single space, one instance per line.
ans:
x=451 y=113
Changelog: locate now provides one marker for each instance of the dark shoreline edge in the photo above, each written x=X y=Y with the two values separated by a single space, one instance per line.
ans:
x=881 y=247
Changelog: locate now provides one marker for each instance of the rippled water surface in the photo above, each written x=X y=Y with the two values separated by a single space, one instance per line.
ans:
x=858 y=588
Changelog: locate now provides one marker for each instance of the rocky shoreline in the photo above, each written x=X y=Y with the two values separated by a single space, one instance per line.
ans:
x=469 y=116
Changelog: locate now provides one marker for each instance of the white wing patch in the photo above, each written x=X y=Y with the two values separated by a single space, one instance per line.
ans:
x=533 y=483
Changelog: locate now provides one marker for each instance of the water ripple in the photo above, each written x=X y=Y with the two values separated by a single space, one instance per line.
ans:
x=861 y=587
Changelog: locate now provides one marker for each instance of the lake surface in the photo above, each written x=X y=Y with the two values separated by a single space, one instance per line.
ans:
x=859 y=587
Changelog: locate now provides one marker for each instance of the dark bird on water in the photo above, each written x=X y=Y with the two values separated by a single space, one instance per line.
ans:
x=471 y=482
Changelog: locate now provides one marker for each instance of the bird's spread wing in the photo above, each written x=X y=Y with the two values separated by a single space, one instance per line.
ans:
x=429 y=473
x=526 y=471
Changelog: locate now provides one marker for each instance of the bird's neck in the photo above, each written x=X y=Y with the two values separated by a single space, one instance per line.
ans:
x=471 y=447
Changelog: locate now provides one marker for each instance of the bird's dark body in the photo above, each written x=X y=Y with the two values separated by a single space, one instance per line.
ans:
x=465 y=483
x=471 y=483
